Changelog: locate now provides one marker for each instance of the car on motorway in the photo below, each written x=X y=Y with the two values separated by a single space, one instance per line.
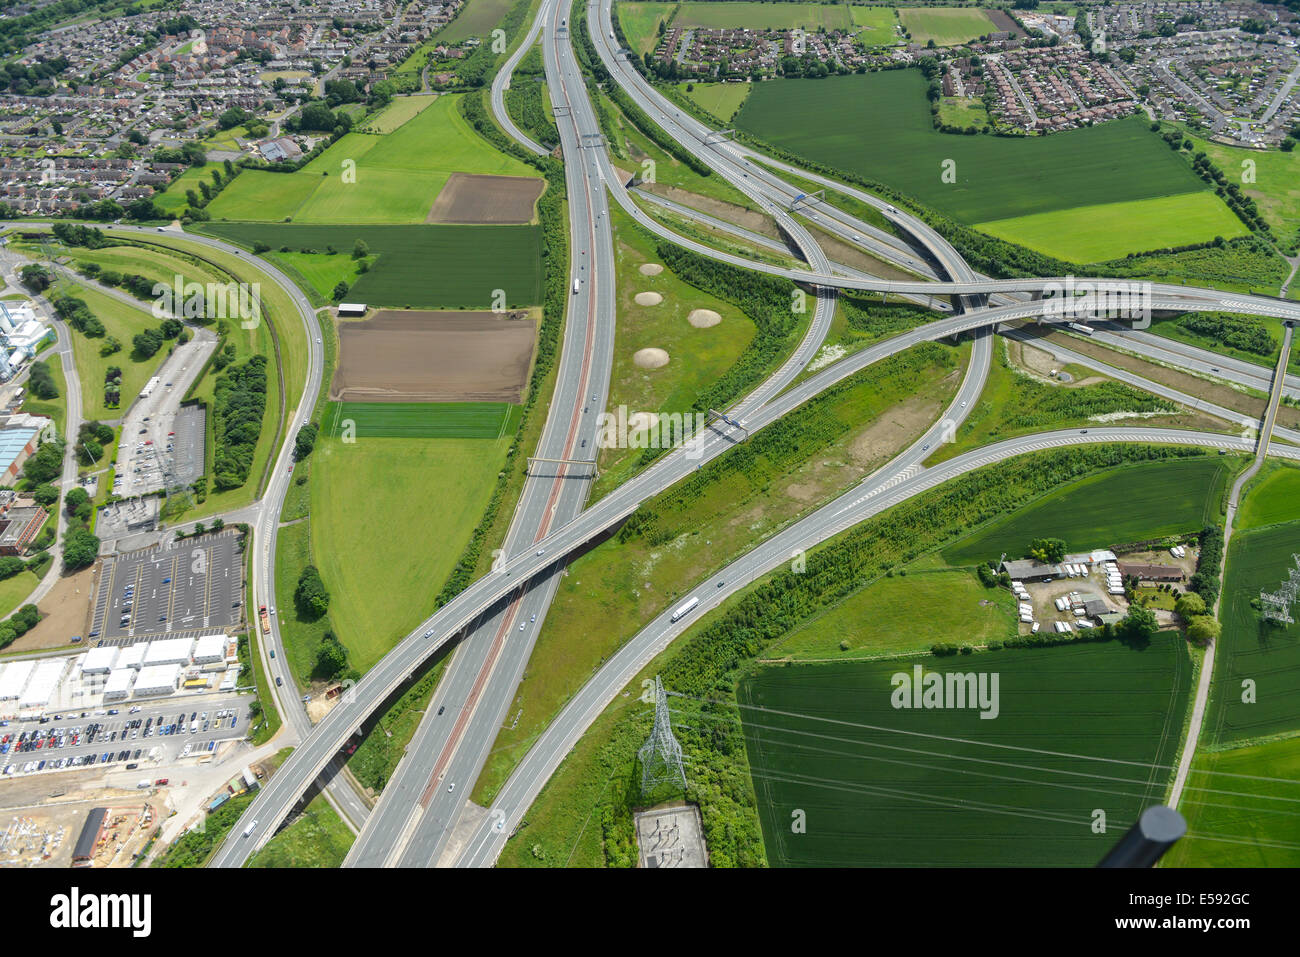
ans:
x=278 y=682
x=451 y=787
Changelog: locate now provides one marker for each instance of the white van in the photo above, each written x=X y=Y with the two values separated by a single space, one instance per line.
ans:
x=249 y=830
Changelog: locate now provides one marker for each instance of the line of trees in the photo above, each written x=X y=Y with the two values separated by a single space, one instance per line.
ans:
x=238 y=405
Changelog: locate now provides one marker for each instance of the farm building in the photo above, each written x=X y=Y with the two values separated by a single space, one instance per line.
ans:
x=1145 y=571
x=355 y=309
x=1031 y=569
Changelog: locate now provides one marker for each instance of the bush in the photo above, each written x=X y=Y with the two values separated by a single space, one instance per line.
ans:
x=310 y=596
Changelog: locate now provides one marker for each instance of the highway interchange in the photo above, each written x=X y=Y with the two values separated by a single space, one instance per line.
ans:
x=411 y=825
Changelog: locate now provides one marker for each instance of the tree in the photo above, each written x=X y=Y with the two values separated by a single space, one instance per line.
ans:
x=75 y=499
x=80 y=548
x=1203 y=629
x=360 y=249
x=35 y=278
x=1189 y=606
x=45 y=495
x=11 y=565
x=340 y=290
x=1049 y=551
x=1138 y=627
x=331 y=657
x=310 y=596
x=305 y=442
x=147 y=343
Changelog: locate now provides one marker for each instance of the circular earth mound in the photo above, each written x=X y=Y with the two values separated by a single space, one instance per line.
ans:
x=651 y=269
x=640 y=421
x=703 y=318
x=648 y=298
x=650 y=358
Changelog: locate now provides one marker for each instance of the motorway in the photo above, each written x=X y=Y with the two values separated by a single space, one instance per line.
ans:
x=419 y=833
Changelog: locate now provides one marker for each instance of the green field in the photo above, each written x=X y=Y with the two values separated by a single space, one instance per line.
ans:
x=369 y=178
x=1131 y=504
x=401 y=109
x=878 y=126
x=423 y=420
x=389 y=520
x=1250 y=649
x=172 y=199
x=1239 y=806
x=963 y=111
x=316 y=838
x=1079 y=728
x=420 y=266
x=1276 y=186
x=640 y=23
x=946 y=26
x=1089 y=234
x=320 y=271
x=763 y=16
x=903 y=614
x=720 y=99
x=878 y=25
x=476 y=19
x=1272 y=499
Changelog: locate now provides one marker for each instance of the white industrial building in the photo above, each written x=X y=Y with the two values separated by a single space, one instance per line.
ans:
x=99 y=661
x=169 y=651
x=230 y=680
x=119 y=684
x=13 y=679
x=132 y=656
x=41 y=685
x=209 y=649
x=158 y=679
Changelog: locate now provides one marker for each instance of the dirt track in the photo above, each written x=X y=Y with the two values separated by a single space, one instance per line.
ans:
x=411 y=356
x=473 y=198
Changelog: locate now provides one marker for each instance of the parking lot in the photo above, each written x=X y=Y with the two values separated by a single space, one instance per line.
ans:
x=150 y=735
x=193 y=585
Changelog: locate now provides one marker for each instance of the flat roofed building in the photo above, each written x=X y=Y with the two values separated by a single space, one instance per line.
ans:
x=169 y=651
x=158 y=680
x=99 y=661
x=210 y=649
x=119 y=683
x=132 y=656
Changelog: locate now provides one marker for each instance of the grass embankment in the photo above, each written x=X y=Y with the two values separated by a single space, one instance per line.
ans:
x=316 y=838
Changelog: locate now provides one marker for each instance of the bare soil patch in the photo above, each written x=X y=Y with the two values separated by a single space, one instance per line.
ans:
x=650 y=269
x=650 y=358
x=475 y=198
x=648 y=298
x=703 y=318
x=416 y=356
x=1002 y=21
x=728 y=212
x=67 y=612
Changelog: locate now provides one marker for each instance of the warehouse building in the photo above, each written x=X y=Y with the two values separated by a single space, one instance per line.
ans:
x=13 y=679
x=40 y=687
x=91 y=832
x=169 y=651
x=158 y=680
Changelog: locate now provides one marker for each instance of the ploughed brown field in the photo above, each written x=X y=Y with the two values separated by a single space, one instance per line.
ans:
x=414 y=356
x=469 y=198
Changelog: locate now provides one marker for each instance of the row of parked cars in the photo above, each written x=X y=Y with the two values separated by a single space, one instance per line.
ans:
x=80 y=761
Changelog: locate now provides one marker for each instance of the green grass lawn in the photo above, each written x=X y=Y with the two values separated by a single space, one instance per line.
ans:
x=878 y=25
x=155 y=263
x=370 y=178
x=1239 y=806
x=1130 y=504
x=1272 y=499
x=14 y=591
x=698 y=356
x=389 y=519
x=121 y=321
x=640 y=23
x=1088 y=726
x=1276 y=186
x=321 y=271
x=946 y=26
x=56 y=408
x=317 y=838
x=904 y=614
x=423 y=420
x=1264 y=653
x=878 y=126
x=1090 y=234
x=172 y=199
x=720 y=99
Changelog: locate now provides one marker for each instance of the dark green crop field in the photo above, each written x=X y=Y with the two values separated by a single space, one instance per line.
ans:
x=421 y=266
x=423 y=420
x=1250 y=650
x=877 y=125
x=1111 y=508
x=1080 y=729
